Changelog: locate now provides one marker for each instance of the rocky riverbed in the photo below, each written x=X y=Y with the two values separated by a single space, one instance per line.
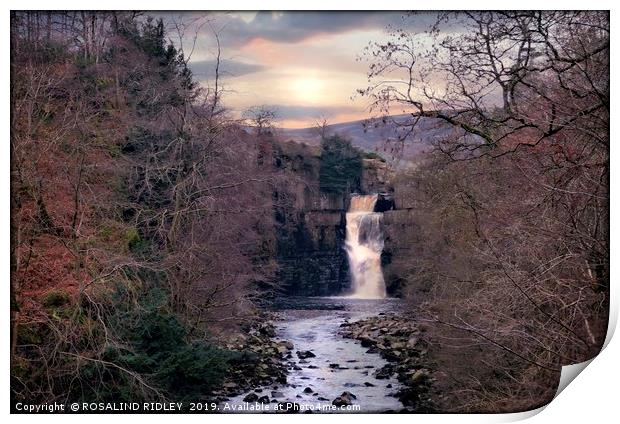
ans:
x=320 y=370
x=261 y=360
x=398 y=340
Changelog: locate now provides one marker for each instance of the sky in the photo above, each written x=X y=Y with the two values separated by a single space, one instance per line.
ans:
x=302 y=64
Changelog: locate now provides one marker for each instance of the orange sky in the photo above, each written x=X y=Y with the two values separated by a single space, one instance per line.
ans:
x=301 y=63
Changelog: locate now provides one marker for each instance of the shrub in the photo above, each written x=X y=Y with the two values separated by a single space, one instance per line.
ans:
x=55 y=298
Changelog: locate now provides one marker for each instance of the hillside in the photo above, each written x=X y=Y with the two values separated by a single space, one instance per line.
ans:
x=376 y=136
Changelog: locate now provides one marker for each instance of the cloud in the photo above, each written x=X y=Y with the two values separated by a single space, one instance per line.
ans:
x=297 y=113
x=295 y=26
x=228 y=68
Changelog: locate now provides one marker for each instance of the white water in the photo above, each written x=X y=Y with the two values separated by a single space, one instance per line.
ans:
x=364 y=244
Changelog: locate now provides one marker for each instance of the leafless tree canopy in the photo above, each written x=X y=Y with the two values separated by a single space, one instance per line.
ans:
x=514 y=242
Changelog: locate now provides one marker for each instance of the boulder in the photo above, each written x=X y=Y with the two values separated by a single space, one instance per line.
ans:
x=303 y=354
x=345 y=399
x=384 y=372
x=252 y=397
x=367 y=341
x=418 y=377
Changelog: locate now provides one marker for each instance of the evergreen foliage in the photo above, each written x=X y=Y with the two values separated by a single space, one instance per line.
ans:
x=341 y=166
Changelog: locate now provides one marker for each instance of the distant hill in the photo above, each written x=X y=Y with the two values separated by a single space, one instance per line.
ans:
x=376 y=136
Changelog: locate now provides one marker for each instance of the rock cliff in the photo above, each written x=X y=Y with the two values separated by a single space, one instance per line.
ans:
x=311 y=225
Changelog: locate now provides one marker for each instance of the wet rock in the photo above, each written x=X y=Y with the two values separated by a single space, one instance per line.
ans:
x=303 y=354
x=368 y=384
x=296 y=368
x=308 y=390
x=258 y=390
x=384 y=372
x=287 y=344
x=252 y=397
x=367 y=341
x=322 y=399
x=418 y=377
x=352 y=385
x=312 y=367
x=345 y=399
x=276 y=394
x=267 y=330
x=263 y=399
x=389 y=386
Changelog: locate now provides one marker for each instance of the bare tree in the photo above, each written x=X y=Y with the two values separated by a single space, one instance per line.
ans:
x=261 y=118
x=321 y=127
x=514 y=227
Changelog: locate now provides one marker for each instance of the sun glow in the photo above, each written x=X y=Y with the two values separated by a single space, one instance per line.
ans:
x=308 y=89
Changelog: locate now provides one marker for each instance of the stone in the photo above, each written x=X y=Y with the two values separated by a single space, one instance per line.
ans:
x=308 y=390
x=345 y=399
x=384 y=372
x=277 y=394
x=368 y=384
x=418 y=377
x=287 y=344
x=263 y=399
x=303 y=354
x=252 y=397
x=267 y=330
x=367 y=341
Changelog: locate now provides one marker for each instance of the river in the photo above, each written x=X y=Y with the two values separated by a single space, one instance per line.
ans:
x=338 y=365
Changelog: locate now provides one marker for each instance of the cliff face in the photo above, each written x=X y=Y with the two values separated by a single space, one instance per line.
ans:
x=312 y=225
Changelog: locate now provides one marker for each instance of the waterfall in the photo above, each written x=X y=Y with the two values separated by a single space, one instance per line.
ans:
x=364 y=244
